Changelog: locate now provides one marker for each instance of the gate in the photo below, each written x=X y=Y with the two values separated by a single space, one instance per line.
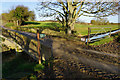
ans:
x=97 y=33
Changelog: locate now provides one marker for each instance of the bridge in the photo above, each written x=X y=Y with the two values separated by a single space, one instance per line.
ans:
x=28 y=42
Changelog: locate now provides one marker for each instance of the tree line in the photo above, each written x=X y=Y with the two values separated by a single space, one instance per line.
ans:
x=100 y=21
x=18 y=15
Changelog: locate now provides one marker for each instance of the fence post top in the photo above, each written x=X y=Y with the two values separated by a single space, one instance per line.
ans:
x=37 y=30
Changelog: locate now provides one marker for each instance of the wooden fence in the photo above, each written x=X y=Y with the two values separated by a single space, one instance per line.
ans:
x=97 y=32
x=92 y=33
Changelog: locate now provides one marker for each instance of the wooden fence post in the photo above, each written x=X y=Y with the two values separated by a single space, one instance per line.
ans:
x=38 y=37
x=110 y=32
x=88 y=35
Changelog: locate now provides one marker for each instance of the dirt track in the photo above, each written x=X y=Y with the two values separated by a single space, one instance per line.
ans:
x=72 y=61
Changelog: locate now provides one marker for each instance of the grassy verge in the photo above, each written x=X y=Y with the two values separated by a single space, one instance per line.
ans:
x=108 y=39
x=102 y=41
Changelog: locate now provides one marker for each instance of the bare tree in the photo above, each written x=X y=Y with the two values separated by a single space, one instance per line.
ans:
x=67 y=11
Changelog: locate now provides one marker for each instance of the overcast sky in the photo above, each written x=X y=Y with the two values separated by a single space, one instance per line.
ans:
x=6 y=5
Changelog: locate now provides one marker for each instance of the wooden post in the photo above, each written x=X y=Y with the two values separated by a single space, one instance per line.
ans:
x=110 y=32
x=88 y=35
x=38 y=37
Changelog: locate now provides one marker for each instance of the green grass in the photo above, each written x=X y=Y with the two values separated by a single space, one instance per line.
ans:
x=55 y=28
x=83 y=29
x=102 y=41
x=115 y=37
x=43 y=25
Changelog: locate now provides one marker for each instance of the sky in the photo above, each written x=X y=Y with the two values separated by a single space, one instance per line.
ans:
x=7 y=5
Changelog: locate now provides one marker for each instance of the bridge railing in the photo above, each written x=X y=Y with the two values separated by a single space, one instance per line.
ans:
x=29 y=43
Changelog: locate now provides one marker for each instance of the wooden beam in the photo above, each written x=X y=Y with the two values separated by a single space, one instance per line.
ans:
x=38 y=37
x=88 y=35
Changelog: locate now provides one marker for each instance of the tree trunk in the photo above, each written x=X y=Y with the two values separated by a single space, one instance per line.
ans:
x=68 y=31
x=70 y=27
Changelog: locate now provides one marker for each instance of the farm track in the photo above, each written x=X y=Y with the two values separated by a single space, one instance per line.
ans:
x=73 y=60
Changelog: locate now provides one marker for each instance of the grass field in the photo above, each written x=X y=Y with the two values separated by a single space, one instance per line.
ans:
x=81 y=29
x=55 y=28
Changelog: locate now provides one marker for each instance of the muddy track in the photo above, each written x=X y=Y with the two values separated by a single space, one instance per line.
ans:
x=112 y=47
x=94 y=63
